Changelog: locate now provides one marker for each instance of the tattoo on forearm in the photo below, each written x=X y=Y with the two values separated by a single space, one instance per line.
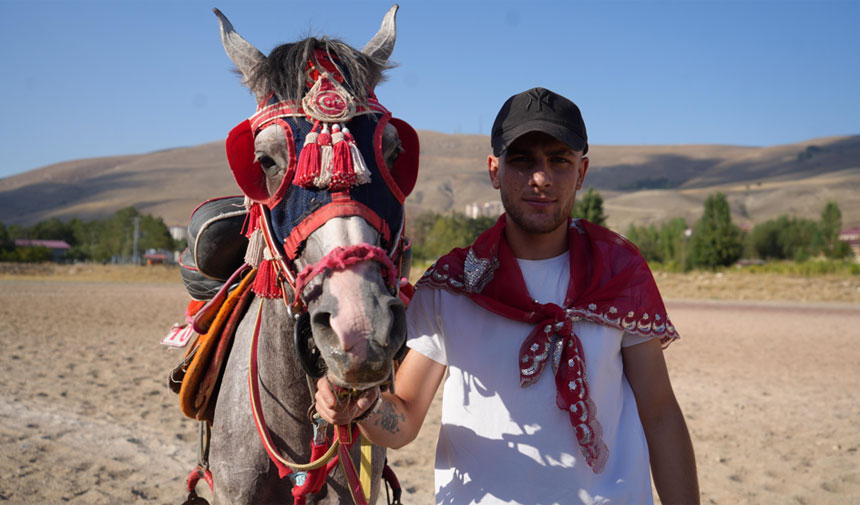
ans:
x=387 y=417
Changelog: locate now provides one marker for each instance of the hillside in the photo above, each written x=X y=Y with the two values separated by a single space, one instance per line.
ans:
x=640 y=184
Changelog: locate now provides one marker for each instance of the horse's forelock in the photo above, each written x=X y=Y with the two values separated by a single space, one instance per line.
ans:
x=283 y=71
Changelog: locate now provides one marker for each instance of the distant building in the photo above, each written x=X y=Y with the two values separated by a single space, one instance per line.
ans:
x=159 y=257
x=58 y=248
x=492 y=208
x=177 y=232
x=852 y=237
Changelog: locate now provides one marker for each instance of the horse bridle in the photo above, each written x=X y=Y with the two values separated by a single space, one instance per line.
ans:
x=337 y=259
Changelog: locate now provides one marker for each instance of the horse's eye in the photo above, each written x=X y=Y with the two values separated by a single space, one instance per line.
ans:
x=268 y=164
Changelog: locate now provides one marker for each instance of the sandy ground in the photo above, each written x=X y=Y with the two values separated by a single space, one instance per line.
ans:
x=769 y=389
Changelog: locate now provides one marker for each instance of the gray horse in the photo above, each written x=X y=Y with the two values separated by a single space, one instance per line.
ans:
x=357 y=319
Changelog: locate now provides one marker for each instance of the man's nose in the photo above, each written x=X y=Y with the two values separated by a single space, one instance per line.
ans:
x=540 y=176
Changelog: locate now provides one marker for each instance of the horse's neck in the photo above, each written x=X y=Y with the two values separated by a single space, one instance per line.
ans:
x=244 y=473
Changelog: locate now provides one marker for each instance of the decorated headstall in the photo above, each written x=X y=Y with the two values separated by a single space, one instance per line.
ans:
x=336 y=169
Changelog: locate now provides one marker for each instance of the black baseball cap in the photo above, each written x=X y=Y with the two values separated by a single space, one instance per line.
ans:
x=539 y=109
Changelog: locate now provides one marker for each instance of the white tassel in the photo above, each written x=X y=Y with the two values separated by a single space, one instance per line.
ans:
x=362 y=173
x=256 y=246
x=326 y=155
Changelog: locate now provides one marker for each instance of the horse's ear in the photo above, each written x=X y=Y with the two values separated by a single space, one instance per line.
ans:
x=405 y=169
x=246 y=170
x=245 y=56
x=382 y=44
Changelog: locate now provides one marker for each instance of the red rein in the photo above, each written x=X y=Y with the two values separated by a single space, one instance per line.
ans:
x=341 y=258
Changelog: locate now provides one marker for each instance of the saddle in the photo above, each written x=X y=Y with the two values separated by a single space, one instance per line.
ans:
x=219 y=284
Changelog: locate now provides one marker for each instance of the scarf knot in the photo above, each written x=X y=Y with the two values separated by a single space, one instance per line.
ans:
x=553 y=340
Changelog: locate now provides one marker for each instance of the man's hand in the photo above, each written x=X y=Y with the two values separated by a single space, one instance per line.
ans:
x=394 y=420
x=342 y=411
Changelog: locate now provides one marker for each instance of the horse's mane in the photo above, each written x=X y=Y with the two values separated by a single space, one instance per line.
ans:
x=283 y=71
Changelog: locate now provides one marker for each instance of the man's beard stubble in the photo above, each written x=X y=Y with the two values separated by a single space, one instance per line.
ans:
x=519 y=217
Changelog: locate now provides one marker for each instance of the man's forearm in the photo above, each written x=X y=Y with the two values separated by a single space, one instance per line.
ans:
x=673 y=463
x=388 y=425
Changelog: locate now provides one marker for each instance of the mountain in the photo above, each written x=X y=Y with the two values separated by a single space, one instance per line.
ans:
x=639 y=184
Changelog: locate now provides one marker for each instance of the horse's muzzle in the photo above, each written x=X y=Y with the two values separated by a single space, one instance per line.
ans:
x=358 y=346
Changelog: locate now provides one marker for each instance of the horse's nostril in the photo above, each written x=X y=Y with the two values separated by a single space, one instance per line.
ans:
x=321 y=319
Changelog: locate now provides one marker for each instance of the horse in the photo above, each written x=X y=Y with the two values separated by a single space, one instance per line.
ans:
x=324 y=169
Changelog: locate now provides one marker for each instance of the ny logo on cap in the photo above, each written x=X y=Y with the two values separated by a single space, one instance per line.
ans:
x=542 y=97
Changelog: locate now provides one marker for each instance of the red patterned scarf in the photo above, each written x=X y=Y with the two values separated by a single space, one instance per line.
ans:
x=610 y=284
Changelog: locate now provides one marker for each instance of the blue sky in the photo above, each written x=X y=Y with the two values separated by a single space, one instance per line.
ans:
x=95 y=78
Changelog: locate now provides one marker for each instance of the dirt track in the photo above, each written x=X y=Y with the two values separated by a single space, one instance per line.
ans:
x=769 y=391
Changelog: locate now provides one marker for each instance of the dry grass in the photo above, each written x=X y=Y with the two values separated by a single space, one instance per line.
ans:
x=741 y=285
x=770 y=287
x=89 y=272
x=729 y=285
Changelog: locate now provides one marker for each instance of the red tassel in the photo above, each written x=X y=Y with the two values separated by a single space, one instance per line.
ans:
x=252 y=220
x=342 y=174
x=309 y=164
x=266 y=282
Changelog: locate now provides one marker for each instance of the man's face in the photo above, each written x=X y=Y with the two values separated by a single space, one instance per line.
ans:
x=538 y=177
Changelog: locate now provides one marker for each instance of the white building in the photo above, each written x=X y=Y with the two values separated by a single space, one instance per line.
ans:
x=177 y=232
x=489 y=209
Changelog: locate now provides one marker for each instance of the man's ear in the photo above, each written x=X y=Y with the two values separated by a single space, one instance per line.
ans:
x=493 y=169
x=583 y=168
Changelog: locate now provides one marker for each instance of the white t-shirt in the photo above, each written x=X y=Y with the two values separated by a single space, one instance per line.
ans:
x=503 y=444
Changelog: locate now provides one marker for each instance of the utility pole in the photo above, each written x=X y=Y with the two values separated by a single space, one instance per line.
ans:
x=135 y=255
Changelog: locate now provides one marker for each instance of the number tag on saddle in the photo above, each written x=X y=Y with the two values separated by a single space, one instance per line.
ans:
x=179 y=336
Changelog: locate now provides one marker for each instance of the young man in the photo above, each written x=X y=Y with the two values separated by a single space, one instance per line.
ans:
x=550 y=331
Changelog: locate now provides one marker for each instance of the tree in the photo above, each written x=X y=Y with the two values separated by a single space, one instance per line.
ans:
x=437 y=234
x=828 y=232
x=6 y=243
x=671 y=242
x=715 y=241
x=53 y=229
x=647 y=240
x=785 y=237
x=764 y=240
x=418 y=229
x=154 y=233
x=447 y=233
x=797 y=238
x=590 y=207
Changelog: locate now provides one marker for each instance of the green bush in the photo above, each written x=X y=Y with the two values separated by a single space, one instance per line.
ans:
x=436 y=234
x=715 y=241
x=589 y=207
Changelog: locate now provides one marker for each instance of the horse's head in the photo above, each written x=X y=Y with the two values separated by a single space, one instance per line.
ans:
x=327 y=168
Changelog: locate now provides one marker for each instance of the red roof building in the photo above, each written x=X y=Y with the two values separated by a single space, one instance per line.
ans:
x=58 y=247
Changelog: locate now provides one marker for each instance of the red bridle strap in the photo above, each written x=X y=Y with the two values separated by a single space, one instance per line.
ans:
x=285 y=466
x=341 y=258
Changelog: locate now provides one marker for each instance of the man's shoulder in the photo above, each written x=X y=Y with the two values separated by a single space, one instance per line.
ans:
x=446 y=272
